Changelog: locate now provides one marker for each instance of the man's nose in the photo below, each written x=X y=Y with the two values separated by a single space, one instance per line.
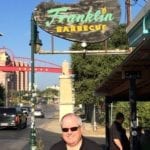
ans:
x=69 y=131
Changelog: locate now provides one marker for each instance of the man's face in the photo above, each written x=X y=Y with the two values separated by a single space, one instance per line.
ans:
x=122 y=120
x=72 y=138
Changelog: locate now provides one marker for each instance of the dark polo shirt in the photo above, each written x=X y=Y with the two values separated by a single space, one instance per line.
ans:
x=86 y=145
x=118 y=132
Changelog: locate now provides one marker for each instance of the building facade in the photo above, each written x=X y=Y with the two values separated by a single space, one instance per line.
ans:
x=12 y=81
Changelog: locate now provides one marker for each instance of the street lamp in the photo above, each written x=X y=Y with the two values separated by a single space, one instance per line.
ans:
x=35 y=44
x=84 y=45
x=1 y=34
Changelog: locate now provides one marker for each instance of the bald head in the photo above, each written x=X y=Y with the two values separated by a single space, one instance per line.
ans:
x=71 y=126
x=71 y=117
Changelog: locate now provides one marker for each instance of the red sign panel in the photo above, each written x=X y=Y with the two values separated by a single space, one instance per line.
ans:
x=89 y=21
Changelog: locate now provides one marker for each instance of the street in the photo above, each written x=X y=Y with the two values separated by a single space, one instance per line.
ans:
x=12 y=139
x=47 y=132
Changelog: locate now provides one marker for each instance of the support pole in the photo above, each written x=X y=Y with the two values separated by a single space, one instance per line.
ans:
x=111 y=113
x=94 y=118
x=132 y=76
x=133 y=113
x=107 y=122
x=128 y=11
x=32 y=128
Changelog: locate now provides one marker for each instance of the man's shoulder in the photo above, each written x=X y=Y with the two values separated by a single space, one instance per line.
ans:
x=58 y=145
x=89 y=140
x=91 y=144
x=115 y=125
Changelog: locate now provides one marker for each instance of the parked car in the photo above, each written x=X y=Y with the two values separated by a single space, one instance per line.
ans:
x=38 y=113
x=12 y=117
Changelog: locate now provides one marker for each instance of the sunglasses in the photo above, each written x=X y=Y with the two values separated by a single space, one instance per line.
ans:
x=72 y=129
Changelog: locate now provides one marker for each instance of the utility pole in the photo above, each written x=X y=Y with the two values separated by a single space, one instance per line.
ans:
x=128 y=11
x=32 y=128
x=35 y=44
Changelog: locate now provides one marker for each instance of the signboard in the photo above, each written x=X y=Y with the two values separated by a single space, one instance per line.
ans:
x=139 y=29
x=88 y=21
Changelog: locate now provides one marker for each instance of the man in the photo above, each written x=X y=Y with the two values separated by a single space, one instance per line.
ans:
x=118 y=138
x=72 y=138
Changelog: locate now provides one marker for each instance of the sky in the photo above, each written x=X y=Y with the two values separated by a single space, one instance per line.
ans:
x=15 y=20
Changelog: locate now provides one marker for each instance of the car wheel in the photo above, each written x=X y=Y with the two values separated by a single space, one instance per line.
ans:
x=19 y=126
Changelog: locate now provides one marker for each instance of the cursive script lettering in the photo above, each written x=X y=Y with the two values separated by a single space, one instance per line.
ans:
x=61 y=15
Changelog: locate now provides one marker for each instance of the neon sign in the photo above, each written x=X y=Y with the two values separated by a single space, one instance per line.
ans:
x=98 y=16
x=82 y=22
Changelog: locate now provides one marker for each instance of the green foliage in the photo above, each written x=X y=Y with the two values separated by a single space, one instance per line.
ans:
x=143 y=113
x=48 y=94
x=119 y=38
x=49 y=91
x=91 y=70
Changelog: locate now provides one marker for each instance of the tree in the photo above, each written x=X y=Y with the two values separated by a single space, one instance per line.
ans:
x=143 y=112
x=91 y=70
x=49 y=93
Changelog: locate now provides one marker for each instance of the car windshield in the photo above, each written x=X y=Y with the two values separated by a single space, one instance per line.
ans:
x=7 y=110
